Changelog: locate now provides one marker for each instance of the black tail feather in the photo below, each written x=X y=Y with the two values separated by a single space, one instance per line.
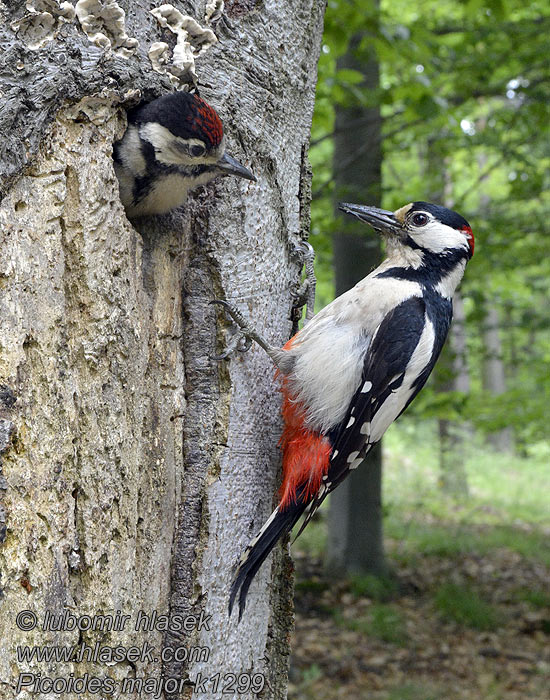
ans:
x=280 y=522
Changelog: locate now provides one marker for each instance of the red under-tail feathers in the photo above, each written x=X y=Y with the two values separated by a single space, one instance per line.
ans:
x=306 y=453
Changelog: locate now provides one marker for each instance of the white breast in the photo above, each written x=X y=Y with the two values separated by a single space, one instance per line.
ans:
x=329 y=352
x=327 y=372
x=167 y=192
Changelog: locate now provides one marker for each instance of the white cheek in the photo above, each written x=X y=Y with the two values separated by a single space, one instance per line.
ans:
x=171 y=150
x=438 y=238
x=166 y=145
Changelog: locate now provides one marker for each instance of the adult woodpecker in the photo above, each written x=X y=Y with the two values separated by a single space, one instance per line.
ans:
x=171 y=146
x=357 y=365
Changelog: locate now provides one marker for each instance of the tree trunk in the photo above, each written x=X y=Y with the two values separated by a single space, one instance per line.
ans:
x=451 y=371
x=355 y=519
x=494 y=378
x=454 y=376
x=135 y=467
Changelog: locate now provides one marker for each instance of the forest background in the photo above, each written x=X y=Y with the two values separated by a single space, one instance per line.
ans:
x=450 y=102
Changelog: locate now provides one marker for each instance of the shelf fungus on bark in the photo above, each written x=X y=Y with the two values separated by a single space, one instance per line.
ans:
x=104 y=23
x=192 y=40
x=42 y=22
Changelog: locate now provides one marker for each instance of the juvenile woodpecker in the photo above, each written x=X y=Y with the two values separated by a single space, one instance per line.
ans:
x=357 y=365
x=171 y=146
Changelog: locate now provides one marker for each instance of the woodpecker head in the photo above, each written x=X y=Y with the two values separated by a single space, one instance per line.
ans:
x=182 y=130
x=427 y=228
x=426 y=243
x=171 y=145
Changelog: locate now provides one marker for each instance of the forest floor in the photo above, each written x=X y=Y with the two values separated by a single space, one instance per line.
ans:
x=464 y=613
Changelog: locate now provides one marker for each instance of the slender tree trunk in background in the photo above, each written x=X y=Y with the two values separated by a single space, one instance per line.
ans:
x=136 y=468
x=355 y=541
x=494 y=378
x=454 y=376
x=451 y=371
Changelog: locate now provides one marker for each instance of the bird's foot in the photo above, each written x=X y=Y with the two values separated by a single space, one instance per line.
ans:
x=304 y=293
x=245 y=335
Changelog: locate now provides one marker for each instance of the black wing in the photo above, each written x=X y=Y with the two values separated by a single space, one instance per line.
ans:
x=384 y=371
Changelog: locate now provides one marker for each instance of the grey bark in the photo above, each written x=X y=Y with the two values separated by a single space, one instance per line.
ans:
x=355 y=541
x=136 y=468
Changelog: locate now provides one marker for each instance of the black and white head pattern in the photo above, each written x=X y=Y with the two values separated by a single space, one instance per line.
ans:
x=435 y=230
x=179 y=129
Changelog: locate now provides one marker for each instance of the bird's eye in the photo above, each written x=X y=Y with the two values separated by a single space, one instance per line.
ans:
x=197 y=151
x=420 y=219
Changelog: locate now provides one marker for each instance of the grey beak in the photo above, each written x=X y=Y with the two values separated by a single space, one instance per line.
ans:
x=232 y=167
x=379 y=219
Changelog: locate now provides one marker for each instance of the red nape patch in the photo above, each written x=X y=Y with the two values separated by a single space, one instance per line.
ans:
x=306 y=453
x=210 y=123
x=470 y=236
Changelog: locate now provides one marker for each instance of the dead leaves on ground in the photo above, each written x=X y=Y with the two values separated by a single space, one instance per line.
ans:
x=338 y=651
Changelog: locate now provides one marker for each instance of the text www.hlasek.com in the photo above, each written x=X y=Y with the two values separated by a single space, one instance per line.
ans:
x=153 y=686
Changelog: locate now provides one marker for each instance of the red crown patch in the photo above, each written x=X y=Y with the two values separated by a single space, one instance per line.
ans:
x=210 y=123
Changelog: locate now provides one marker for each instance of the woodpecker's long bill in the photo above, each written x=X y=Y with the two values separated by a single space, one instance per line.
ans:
x=357 y=365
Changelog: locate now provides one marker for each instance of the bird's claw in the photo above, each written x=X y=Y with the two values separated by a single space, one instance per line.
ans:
x=304 y=293
x=244 y=343
x=241 y=341
x=229 y=350
x=304 y=251
x=235 y=315
x=300 y=293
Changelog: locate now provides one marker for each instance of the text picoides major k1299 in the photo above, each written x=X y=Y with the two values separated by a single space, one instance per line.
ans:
x=357 y=365
x=171 y=145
